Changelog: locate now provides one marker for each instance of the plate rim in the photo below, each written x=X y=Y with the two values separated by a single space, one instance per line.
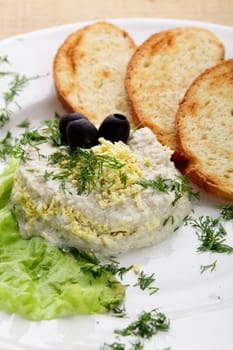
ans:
x=117 y=20
x=55 y=29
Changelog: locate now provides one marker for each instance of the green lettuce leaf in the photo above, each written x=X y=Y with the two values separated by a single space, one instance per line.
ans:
x=6 y=180
x=40 y=281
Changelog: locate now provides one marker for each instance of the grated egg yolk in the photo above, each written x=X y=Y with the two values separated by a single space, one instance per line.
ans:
x=112 y=189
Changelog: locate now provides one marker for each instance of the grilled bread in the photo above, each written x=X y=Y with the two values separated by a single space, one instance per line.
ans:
x=89 y=70
x=161 y=70
x=205 y=130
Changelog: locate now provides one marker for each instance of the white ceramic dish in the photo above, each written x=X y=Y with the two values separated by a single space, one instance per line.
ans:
x=199 y=305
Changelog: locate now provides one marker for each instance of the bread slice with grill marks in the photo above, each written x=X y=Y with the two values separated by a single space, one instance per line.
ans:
x=89 y=71
x=161 y=70
x=205 y=130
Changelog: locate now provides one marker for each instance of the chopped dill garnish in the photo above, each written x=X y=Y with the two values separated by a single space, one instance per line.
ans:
x=147 y=325
x=7 y=148
x=113 y=346
x=5 y=73
x=87 y=255
x=210 y=267
x=24 y=124
x=169 y=218
x=16 y=84
x=114 y=268
x=4 y=59
x=52 y=128
x=5 y=115
x=14 y=147
x=134 y=129
x=145 y=282
x=211 y=234
x=138 y=345
x=32 y=138
x=118 y=311
x=122 y=270
x=226 y=211
x=159 y=184
x=94 y=266
x=84 y=166
x=95 y=270
x=178 y=186
x=124 y=178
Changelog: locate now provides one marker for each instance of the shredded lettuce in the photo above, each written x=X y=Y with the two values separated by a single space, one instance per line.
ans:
x=40 y=281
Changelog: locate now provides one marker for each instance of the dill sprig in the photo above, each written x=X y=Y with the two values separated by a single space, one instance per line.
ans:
x=15 y=86
x=226 y=211
x=210 y=267
x=84 y=166
x=15 y=147
x=5 y=115
x=169 y=218
x=7 y=148
x=211 y=234
x=122 y=270
x=138 y=345
x=93 y=265
x=5 y=73
x=118 y=311
x=32 y=138
x=24 y=124
x=159 y=184
x=179 y=186
x=147 y=325
x=4 y=59
x=145 y=281
x=51 y=126
x=113 y=346
x=97 y=269
x=87 y=255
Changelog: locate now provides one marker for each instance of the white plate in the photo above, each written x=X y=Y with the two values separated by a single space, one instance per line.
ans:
x=200 y=306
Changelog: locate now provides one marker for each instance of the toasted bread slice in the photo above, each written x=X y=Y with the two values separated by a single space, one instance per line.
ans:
x=161 y=70
x=205 y=130
x=89 y=71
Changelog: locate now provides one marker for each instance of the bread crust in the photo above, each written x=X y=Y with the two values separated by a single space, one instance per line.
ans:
x=204 y=124
x=89 y=70
x=161 y=70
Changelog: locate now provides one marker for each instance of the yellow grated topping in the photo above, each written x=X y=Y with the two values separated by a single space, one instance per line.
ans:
x=113 y=190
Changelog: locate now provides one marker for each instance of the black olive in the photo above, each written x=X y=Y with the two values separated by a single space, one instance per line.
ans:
x=65 y=120
x=81 y=133
x=115 y=128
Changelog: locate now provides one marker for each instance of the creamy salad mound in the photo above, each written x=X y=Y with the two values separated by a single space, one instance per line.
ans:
x=111 y=198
